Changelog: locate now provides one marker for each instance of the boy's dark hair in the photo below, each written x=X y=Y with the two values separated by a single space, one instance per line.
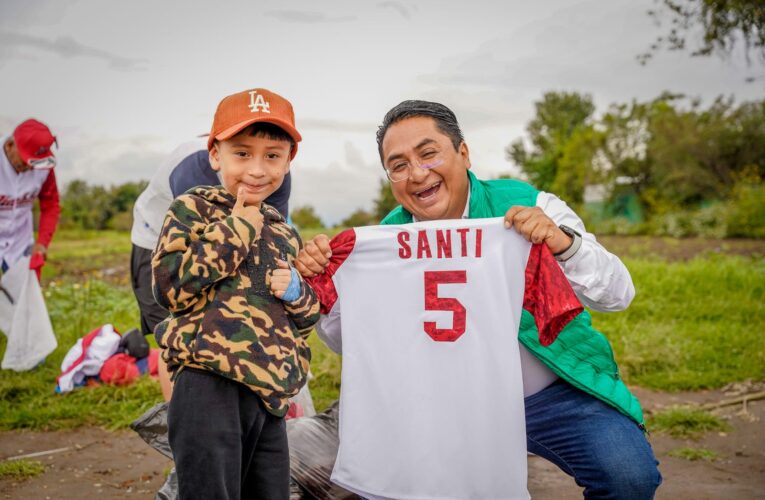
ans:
x=269 y=131
x=444 y=117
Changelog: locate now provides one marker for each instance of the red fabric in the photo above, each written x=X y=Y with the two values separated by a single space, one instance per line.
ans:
x=153 y=362
x=548 y=295
x=50 y=210
x=295 y=411
x=36 y=262
x=342 y=246
x=119 y=369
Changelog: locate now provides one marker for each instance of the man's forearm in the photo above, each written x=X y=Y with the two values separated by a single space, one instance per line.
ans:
x=599 y=278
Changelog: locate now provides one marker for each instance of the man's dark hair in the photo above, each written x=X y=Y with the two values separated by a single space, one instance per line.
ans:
x=443 y=116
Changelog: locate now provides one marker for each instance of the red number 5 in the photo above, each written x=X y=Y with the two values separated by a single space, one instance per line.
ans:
x=435 y=303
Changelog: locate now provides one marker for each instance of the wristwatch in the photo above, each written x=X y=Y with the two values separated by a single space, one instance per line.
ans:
x=576 y=242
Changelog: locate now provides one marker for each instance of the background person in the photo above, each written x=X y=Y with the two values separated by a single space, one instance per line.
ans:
x=26 y=174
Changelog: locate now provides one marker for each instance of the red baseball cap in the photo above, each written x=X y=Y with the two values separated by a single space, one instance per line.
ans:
x=33 y=141
x=241 y=110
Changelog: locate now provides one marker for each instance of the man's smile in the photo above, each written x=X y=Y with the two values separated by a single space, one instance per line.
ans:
x=428 y=192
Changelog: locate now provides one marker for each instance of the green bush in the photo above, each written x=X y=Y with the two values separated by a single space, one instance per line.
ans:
x=745 y=215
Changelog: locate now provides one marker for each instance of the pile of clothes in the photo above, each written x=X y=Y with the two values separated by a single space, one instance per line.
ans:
x=105 y=357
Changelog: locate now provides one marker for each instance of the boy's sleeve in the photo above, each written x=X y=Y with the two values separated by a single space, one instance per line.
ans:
x=192 y=254
x=304 y=311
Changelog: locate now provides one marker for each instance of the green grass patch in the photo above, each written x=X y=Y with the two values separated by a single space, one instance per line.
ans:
x=28 y=400
x=20 y=469
x=325 y=368
x=692 y=325
x=685 y=423
x=694 y=454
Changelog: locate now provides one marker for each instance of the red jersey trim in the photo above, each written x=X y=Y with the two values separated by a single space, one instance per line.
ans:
x=548 y=295
x=342 y=246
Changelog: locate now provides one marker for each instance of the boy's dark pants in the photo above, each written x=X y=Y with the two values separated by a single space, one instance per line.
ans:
x=225 y=444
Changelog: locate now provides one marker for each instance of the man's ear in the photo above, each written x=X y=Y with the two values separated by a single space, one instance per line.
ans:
x=465 y=154
x=215 y=158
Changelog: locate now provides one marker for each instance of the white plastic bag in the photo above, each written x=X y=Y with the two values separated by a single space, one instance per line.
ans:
x=25 y=321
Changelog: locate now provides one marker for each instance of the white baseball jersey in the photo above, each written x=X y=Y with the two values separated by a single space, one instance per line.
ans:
x=18 y=191
x=431 y=403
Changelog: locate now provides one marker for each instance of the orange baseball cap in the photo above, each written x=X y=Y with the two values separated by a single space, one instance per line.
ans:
x=241 y=110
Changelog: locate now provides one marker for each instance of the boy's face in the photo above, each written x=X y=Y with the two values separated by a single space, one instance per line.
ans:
x=256 y=163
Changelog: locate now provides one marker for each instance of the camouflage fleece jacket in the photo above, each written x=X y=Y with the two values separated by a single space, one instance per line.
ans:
x=210 y=270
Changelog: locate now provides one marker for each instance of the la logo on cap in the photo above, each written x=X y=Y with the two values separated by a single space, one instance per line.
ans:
x=257 y=102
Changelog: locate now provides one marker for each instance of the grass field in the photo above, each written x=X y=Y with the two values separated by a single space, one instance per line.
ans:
x=694 y=324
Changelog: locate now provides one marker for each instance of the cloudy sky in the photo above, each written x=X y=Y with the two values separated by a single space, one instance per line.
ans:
x=123 y=83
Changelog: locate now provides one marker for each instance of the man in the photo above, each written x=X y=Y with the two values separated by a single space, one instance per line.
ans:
x=188 y=166
x=594 y=432
x=26 y=174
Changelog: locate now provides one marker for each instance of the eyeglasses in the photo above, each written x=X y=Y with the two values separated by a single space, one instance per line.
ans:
x=403 y=171
x=42 y=163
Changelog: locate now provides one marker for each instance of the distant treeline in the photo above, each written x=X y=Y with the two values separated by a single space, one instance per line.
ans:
x=665 y=166
x=85 y=206
x=668 y=166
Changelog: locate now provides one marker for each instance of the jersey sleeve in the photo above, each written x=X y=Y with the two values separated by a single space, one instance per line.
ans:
x=50 y=210
x=342 y=246
x=548 y=295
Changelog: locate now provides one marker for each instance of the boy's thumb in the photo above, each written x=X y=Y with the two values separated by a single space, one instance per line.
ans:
x=239 y=198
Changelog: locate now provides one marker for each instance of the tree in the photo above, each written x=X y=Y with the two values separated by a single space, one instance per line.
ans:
x=385 y=201
x=359 y=218
x=306 y=218
x=674 y=156
x=723 y=23
x=559 y=115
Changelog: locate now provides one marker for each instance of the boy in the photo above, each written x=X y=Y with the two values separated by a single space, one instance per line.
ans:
x=235 y=339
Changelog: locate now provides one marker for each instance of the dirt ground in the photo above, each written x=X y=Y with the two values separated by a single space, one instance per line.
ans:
x=109 y=465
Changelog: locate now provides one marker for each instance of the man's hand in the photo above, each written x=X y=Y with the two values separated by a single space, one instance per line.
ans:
x=39 y=248
x=249 y=213
x=536 y=227
x=314 y=257
x=280 y=279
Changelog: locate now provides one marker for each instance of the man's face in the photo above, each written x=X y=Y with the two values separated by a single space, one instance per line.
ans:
x=255 y=163
x=438 y=192
x=12 y=153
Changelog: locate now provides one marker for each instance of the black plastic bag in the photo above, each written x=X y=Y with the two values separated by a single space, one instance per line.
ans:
x=313 y=447
x=134 y=344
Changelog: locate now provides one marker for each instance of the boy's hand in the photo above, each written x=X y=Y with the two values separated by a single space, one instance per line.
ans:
x=249 y=213
x=280 y=278
x=314 y=257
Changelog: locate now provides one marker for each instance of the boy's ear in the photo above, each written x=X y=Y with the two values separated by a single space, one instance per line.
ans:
x=215 y=158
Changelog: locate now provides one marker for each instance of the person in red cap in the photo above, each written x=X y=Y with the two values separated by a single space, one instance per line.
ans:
x=26 y=174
